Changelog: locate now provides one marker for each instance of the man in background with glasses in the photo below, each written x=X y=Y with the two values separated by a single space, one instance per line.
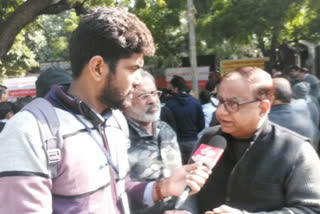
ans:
x=266 y=168
x=153 y=151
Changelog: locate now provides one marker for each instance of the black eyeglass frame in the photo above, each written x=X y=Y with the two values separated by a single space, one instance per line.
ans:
x=237 y=108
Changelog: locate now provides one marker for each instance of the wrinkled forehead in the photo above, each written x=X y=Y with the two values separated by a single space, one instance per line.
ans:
x=147 y=85
x=237 y=85
x=234 y=88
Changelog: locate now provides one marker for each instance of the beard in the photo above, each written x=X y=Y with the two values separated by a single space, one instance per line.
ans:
x=113 y=97
x=144 y=115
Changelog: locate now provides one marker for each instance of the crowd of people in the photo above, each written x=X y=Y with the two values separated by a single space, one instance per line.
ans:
x=125 y=146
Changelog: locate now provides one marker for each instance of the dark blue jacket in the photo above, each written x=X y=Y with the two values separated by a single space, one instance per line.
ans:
x=188 y=114
x=285 y=116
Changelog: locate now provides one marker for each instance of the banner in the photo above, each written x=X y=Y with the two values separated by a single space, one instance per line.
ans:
x=21 y=86
x=186 y=73
x=229 y=65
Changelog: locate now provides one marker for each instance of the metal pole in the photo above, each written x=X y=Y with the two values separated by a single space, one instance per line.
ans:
x=192 y=47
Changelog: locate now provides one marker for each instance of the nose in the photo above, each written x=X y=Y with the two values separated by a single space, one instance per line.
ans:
x=153 y=99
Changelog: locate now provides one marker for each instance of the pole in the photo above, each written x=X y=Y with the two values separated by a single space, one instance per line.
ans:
x=192 y=48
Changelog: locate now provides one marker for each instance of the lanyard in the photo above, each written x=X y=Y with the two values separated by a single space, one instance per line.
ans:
x=99 y=123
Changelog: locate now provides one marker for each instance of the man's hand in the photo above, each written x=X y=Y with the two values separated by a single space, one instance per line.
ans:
x=224 y=209
x=192 y=175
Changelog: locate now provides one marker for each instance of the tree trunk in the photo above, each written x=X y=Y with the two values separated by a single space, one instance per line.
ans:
x=192 y=48
x=22 y=16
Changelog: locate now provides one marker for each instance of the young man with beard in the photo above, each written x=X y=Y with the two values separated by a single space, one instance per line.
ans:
x=106 y=53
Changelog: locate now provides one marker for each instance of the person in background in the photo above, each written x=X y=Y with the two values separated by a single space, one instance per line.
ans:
x=20 y=103
x=212 y=86
x=4 y=93
x=207 y=107
x=284 y=115
x=275 y=72
x=153 y=151
x=301 y=93
x=265 y=168
x=6 y=112
x=188 y=114
x=107 y=51
x=50 y=77
x=302 y=74
x=166 y=114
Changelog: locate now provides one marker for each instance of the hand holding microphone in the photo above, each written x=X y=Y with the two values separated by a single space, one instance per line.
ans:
x=208 y=154
x=192 y=175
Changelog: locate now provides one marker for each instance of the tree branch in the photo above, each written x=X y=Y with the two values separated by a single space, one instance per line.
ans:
x=57 y=8
x=25 y=14
x=22 y=16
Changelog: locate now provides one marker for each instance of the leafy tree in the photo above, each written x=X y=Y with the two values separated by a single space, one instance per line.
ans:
x=49 y=39
x=30 y=34
x=261 y=23
x=165 y=20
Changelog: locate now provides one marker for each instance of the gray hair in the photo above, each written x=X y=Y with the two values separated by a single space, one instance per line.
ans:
x=146 y=74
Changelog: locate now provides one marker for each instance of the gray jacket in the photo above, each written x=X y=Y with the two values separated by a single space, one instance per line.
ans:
x=277 y=174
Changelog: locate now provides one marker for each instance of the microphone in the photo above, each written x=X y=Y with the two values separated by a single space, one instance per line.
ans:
x=209 y=154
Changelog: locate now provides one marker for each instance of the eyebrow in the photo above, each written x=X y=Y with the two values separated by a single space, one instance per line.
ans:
x=136 y=66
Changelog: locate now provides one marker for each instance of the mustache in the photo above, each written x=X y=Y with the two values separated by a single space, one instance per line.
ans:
x=150 y=106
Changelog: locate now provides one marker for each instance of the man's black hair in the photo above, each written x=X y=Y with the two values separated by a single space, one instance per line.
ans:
x=5 y=108
x=3 y=90
x=211 y=84
x=204 y=96
x=179 y=83
x=112 y=33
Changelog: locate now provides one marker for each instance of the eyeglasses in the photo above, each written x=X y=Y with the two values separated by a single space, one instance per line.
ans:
x=233 y=106
x=145 y=96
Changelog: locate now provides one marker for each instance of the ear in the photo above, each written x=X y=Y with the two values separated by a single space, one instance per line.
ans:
x=265 y=106
x=98 y=69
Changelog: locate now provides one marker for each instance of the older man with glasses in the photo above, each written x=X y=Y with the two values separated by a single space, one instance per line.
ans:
x=265 y=168
x=153 y=151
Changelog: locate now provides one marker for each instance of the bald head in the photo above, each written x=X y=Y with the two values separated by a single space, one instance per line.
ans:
x=282 y=90
x=259 y=80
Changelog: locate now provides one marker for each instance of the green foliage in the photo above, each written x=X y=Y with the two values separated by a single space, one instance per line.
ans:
x=163 y=18
x=19 y=59
x=56 y=30
x=262 y=24
x=227 y=28
x=8 y=6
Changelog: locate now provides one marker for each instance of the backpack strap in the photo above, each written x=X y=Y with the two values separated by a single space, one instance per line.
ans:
x=48 y=123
